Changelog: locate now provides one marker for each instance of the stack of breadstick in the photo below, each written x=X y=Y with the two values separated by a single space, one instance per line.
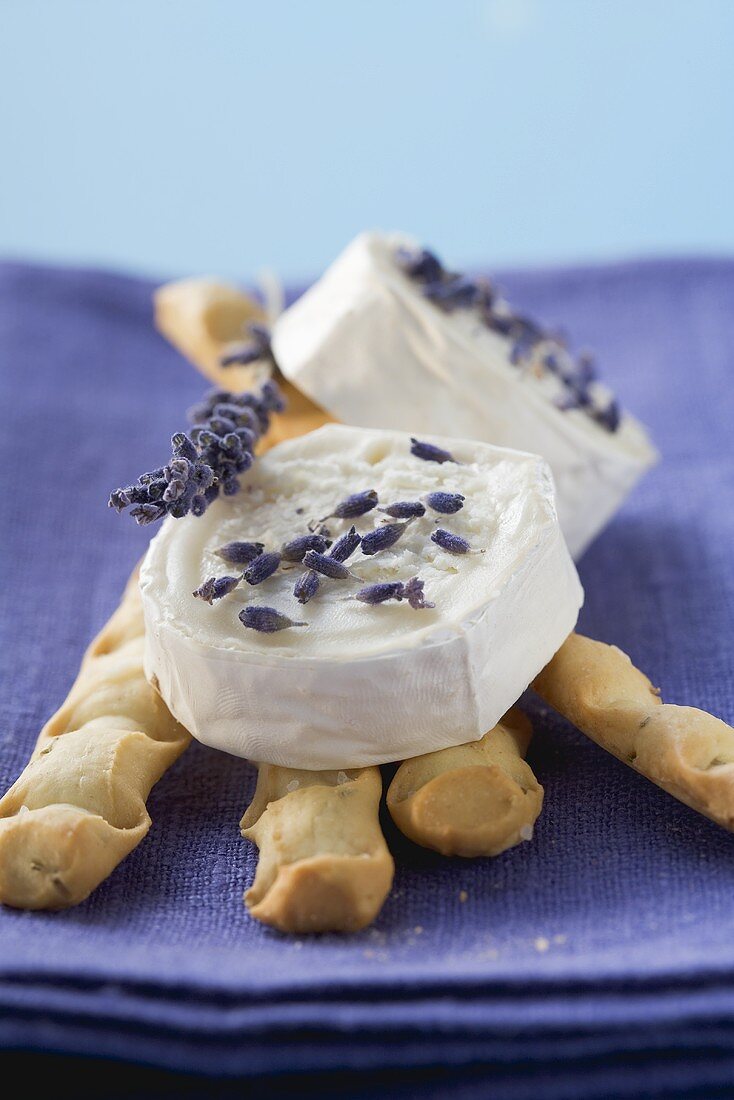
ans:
x=79 y=806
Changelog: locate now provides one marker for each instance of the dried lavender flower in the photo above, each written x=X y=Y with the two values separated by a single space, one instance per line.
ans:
x=262 y=567
x=345 y=546
x=240 y=553
x=457 y=292
x=306 y=586
x=446 y=503
x=420 y=264
x=214 y=588
x=382 y=538
x=249 y=351
x=327 y=566
x=296 y=548
x=265 y=619
x=429 y=452
x=147 y=513
x=379 y=593
x=455 y=544
x=404 y=509
x=413 y=593
x=358 y=504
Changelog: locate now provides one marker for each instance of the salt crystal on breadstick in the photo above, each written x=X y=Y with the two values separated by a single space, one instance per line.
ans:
x=324 y=865
x=475 y=800
x=687 y=752
x=79 y=806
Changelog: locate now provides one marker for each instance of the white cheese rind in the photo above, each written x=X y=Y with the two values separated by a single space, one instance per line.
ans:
x=369 y=348
x=363 y=685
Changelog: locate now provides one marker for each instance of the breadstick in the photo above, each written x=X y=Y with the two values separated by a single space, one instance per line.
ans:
x=687 y=752
x=474 y=800
x=203 y=318
x=79 y=806
x=324 y=865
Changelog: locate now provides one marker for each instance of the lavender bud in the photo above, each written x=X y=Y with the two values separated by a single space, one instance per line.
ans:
x=413 y=593
x=178 y=468
x=379 y=593
x=199 y=504
x=119 y=500
x=610 y=417
x=446 y=503
x=382 y=538
x=265 y=619
x=262 y=567
x=500 y=323
x=458 y=293
x=306 y=586
x=241 y=354
x=147 y=513
x=152 y=475
x=240 y=553
x=157 y=489
x=328 y=567
x=455 y=544
x=271 y=397
x=404 y=509
x=174 y=490
x=345 y=546
x=214 y=588
x=230 y=486
x=420 y=264
x=183 y=447
x=358 y=504
x=296 y=548
x=429 y=452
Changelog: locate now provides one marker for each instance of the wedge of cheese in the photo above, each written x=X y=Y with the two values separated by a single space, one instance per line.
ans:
x=362 y=683
x=378 y=348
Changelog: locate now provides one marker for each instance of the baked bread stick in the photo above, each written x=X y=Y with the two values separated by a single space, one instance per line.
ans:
x=324 y=865
x=475 y=800
x=687 y=752
x=79 y=806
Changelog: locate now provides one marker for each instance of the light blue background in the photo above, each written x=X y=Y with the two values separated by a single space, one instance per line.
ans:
x=178 y=136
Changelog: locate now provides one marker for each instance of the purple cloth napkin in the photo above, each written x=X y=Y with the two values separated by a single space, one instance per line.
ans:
x=607 y=942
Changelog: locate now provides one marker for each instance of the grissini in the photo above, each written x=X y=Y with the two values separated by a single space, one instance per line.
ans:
x=78 y=808
x=474 y=800
x=324 y=865
x=687 y=752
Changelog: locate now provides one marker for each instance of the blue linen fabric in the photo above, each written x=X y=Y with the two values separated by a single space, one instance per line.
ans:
x=597 y=956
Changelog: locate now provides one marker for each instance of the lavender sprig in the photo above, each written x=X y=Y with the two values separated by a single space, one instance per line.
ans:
x=307 y=586
x=382 y=538
x=404 y=509
x=358 y=504
x=206 y=462
x=429 y=452
x=214 y=588
x=262 y=567
x=296 y=548
x=240 y=553
x=249 y=351
x=266 y=619
x=455 y=544
x=445 y=503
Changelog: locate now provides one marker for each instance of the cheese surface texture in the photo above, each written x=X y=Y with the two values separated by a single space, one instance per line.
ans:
x=362 y=684
x=368 y=346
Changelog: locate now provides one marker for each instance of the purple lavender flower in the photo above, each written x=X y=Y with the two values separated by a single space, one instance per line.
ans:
x=327 y=566
x=214 y=588
x=412 y=591
x=429 y=452
x=306 y=586
x=420 y=264
x=262 y=567
x=240 y=553
x=147 y=513
x=404 y=509
x=446 y=503
x=382 y=538
x=296 y=548
x=457 y=292
x=610 y=417
x=358 y=504
x=447 y=540
x=258 y=346
x=265 y=619
x=345 y=546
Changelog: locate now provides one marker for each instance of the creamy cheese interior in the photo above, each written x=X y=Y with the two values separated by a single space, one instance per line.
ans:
x=360 y=683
